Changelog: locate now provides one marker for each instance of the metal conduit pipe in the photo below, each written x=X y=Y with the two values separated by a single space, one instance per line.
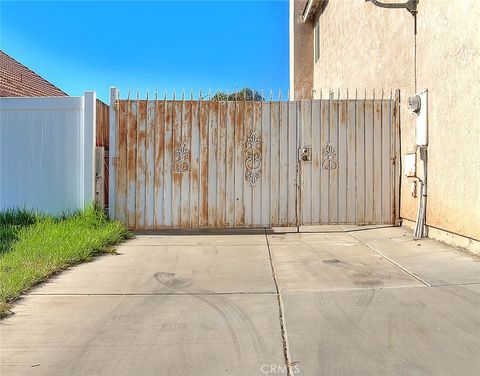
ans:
x=419 y=231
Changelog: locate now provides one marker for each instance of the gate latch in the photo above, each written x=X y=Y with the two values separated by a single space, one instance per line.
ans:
x=305 y=154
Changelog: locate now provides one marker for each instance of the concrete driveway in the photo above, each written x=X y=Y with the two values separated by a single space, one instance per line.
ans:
x=341 y=301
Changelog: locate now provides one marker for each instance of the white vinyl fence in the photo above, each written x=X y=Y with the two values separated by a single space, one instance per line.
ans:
x=47 y=149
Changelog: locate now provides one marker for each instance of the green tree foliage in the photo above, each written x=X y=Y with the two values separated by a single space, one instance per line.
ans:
x=245 y=94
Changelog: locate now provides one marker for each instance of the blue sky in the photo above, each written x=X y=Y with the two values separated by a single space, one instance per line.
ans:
x=92 y=45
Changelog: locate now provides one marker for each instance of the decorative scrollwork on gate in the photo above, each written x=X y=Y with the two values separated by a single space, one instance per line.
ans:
x=329 y=161
x=253 y=158
x=181 y=155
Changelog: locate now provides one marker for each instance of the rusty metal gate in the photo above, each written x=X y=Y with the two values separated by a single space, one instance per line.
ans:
x=228 y=164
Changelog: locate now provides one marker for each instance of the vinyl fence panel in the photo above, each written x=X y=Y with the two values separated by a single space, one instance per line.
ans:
x=47 y=153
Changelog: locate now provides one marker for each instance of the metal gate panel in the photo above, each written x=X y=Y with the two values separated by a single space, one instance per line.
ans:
x=305 y=175
x=350 y=177
x=226 y=164
x=204 y=164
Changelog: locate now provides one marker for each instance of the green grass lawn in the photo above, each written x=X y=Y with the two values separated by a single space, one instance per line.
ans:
x=11 y=221
x=34 y=247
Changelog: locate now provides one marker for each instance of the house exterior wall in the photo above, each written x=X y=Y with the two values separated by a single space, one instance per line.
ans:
x=301 y=67
x=448 y=64
x=366 y=47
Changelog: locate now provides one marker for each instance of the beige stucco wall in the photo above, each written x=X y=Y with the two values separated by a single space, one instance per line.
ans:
x=301 y=52
x=448 y=64
x=366 y=47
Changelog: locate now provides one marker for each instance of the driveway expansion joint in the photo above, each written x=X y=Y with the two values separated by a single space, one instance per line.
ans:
x=281 y=312
x=390 y=260
x=157 y=293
